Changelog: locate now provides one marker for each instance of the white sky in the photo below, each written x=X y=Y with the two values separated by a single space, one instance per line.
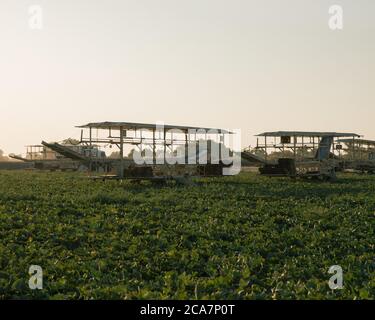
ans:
x=250 y=64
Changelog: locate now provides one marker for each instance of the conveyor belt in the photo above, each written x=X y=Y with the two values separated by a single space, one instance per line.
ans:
x=65 y=151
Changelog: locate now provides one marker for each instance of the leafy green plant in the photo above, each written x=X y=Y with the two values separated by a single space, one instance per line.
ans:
x=243 y=237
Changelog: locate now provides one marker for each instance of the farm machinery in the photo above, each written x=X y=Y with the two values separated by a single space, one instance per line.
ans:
x=358 y=155
x=156 y=152
x=301 y=154
x=64 y=156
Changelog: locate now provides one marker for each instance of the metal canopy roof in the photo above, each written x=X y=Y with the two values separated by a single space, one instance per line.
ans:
x=361 y=141
x=133 y=125
x=306 y=134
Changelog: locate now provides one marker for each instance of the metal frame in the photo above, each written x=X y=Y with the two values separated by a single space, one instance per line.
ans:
x=306 y=151
x=300 y=141
x=362 y=154
x=140 y=135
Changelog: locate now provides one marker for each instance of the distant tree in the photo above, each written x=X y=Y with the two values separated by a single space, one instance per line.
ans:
x=280 y=154
x=258 y=152
x=115 y=155
x=2 y=156
x=70 y=141
x=206 y=146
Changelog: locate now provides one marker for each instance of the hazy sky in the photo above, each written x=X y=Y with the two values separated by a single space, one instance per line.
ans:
x=250 y=64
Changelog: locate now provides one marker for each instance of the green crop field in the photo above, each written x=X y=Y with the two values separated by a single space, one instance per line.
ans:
x=244 y=237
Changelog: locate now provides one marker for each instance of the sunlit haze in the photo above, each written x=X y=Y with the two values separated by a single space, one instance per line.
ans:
x=240 y=64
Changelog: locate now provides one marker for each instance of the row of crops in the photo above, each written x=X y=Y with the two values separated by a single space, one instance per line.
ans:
x=244 y=237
